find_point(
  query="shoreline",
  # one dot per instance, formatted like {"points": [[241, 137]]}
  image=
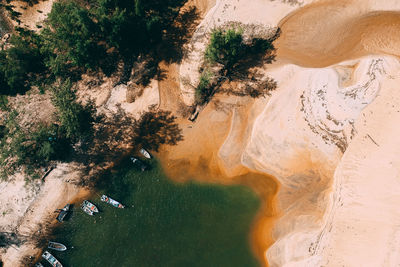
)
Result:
{"points": [[199, 158]]}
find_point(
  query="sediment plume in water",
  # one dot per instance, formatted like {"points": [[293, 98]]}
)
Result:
{"points": [[197, 158]]}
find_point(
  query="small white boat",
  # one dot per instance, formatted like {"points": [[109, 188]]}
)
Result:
{"points": [[56, 246], [89, 208], [51, 259], [111, 201], [145, 153]]}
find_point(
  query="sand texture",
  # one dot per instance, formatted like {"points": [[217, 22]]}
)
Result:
{"points": [[328, 133]]}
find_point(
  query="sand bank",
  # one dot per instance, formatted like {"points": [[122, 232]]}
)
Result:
{"points": [[328, 133], [31, 211], [334, 64]]}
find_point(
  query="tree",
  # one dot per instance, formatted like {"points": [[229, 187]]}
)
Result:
{"points": [[21, 63], [226, 47], [204, 89], [70, 38], [29, 148], [76, 120]]}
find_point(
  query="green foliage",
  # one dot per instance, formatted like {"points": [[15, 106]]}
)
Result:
{"points": [[70, 38], [21, 63], [48, 144], [226, 47], [29, 148], [3, 102], [204, 89], [85, 35], [76, 119], [239, 61], [133, 26]]}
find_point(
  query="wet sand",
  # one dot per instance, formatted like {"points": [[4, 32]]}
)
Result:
{"points": [[200, 157]]}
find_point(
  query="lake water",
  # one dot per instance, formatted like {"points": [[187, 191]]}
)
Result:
{"points": [[164, 224]]}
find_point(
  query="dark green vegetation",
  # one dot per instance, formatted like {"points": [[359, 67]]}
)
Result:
{"points": [[22, 64], [164, 224], [75, 119], [229, 57], [85, 37], [95, 35], [226, 47], [35, 146]]}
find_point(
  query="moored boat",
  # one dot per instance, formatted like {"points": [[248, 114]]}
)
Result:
{"points": [[63, 213], [51, 259], [145, 153], [39, 265], [89, 207], [56, 246], [138, 163], [112, 202]]}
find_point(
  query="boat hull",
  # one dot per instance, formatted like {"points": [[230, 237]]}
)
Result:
{"points": [[56, 246], [89, 208], [112, 202], [145, 153], [51, 259]]}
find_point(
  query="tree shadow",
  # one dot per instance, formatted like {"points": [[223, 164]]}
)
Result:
{"points": [[8, 239], [156, 128], [255, 54], [255, 84], [171, 50], [177, 35], [116, 134], [110, 133], [146, 69]]}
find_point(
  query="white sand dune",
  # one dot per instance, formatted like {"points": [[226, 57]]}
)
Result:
{"points": [[329, 131]]}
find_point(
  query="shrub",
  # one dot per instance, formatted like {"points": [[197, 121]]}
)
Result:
{"points": [[225, 47], [76, 120], [204, 89], [21, 63], [70, 38], [29, 148]]}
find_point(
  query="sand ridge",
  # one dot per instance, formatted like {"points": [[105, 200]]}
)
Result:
{"points": [[333, 62], [323, 134]]}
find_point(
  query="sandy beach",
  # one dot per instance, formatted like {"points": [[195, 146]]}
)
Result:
{"points": [[335, 66], [321, 150]]}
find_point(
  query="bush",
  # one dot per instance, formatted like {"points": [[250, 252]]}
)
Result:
{"points": [[70, 38], [21, 63], [29, 148], [48, 143], [76, 120], [204, 89], [225, 47]]}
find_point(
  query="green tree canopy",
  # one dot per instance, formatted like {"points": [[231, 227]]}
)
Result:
{"points": [[226, 47], [76, 119], [21, 63], [70, 38]]}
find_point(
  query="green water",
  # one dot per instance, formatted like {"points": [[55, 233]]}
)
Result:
{"points": [[164, 224]]}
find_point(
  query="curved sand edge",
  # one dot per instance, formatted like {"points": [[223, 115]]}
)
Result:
{"points": [[300, 134]]}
